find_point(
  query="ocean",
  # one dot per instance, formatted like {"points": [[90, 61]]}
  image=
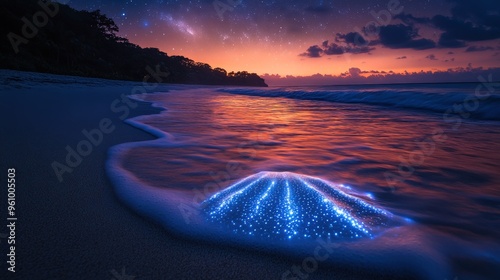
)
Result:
{"points": [[228, 161]]}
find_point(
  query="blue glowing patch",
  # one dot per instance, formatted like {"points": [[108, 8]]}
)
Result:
{"points": [[284, 206]]}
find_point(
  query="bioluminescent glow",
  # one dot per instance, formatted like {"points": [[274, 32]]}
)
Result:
{"points": [[284, 205]]}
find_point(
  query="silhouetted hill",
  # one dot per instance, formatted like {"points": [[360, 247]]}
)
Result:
{"points": [[48, 37]]}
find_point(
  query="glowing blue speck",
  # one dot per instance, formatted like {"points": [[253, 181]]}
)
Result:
{"points": [[284, 205]]}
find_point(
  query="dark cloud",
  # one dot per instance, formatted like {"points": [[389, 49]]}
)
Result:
{"points": [[356, 72], [483, 12], [431, 57], [447, 41], [351, 38], [401, 57], [421, 44], [328, 48], [400, 36], [373, 72], [332, 49], [465, 30], [478, 49], [313, 51], [358, 50], [470, 21]]}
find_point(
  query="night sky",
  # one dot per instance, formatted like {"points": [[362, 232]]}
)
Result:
{"points": [[290, 37]]}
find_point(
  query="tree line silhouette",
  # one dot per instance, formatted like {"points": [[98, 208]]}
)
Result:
{"points": [[85, 43]]}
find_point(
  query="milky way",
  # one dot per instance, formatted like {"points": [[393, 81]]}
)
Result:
{"points": [[284, 205]]}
